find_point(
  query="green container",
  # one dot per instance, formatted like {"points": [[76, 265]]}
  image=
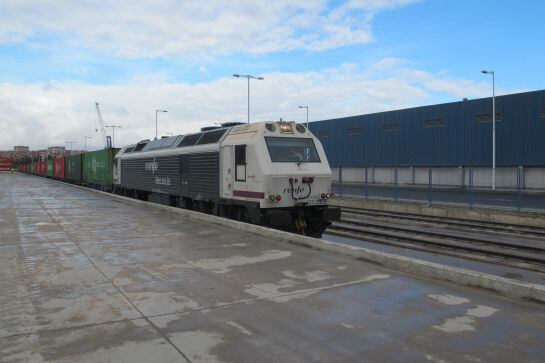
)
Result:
{"points": [[73, 168], [32, 168], [98, 166], [49, 170]]}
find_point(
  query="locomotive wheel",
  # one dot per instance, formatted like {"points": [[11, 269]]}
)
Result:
{"points": [[242, 214]]}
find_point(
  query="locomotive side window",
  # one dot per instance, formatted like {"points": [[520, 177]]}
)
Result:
{"points": [[190, 140], [286, 149], [240, 162]]}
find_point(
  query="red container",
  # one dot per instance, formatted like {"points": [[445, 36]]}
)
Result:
{"points": [[36, 168], [5, 164], [43, 167], [58, 168]]}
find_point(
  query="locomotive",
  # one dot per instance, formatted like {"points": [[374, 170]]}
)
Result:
{"points": [[268, 173]]}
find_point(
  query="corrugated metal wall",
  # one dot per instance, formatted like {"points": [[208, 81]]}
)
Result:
{"points": [[460, 141]]}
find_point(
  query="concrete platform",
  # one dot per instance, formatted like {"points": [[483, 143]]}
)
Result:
{"points": [[89, 278]]}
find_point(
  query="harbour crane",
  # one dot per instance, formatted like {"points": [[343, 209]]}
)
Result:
{"points": [[107, 139]]}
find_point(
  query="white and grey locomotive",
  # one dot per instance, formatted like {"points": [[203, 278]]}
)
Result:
{"points": [[268, 173]]}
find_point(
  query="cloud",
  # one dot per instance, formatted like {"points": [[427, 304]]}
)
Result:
{"points": [[191, 28], [50, 114]]}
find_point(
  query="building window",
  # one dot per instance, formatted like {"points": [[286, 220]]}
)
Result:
{"points": [[390, 127], [323, 133], [436, 122], [487, 117], [542, 112], [354, 131]]}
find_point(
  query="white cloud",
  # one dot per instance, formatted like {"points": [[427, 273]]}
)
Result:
{"points": [[192, 28], [50, 114]]}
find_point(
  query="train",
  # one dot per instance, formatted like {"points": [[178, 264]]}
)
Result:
{"points": [[273, 174]]}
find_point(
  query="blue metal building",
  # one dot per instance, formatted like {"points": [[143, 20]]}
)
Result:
{"points": [[444, 135]]}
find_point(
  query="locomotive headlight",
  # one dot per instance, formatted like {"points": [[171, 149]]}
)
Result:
{"points": [[305, 180], [310, 180], [278, 197], [323, 196], [272, 197], [291, 180], [285, 128], [328, 195]]}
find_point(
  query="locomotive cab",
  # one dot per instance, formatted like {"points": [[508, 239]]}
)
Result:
{"points": [[280, 171]]}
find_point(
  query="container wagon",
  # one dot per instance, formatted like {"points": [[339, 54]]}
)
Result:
{"points": [[98, 168], [49, 170], [5, 164], [58, 168], [73, 172], [43, 168]]}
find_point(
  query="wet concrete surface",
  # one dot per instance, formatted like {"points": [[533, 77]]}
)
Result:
{"points": [[89, 278]]}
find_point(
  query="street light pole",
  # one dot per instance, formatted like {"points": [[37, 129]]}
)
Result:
{"points": [[156, 111], [248, 76], [70, 143], [113, 127], [493, 73], [307, 113], [85, 144]]}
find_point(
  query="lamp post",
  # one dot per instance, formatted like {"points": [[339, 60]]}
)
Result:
{"points": [[307, 113], [85, 144], [113, 127], [493, 126], [156, 111], [248, 76]]}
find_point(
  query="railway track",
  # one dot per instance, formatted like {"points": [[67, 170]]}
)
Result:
{"points": [[516, 246]]}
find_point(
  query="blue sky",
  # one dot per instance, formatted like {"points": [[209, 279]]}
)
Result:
{"points": [[341, 57]]}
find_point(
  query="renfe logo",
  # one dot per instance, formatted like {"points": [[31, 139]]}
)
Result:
{"points": [[298, 190], [152, 166]]}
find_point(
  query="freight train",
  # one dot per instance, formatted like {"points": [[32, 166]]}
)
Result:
{"points": [[269, 173]]}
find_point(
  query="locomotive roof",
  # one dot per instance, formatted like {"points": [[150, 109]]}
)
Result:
{"points": [[207, 137]]}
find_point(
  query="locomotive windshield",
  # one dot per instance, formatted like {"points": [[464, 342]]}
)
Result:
{"points": [[285, 149]]}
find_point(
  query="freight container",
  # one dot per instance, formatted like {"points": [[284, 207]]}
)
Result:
{"points": [[32, 168], [5, 164], [35, 168], [73, 168], [49, 172], [98, 167], [58, 168], [43, 167]]}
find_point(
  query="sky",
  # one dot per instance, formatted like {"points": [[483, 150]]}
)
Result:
{"points": [[339, 58]]}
